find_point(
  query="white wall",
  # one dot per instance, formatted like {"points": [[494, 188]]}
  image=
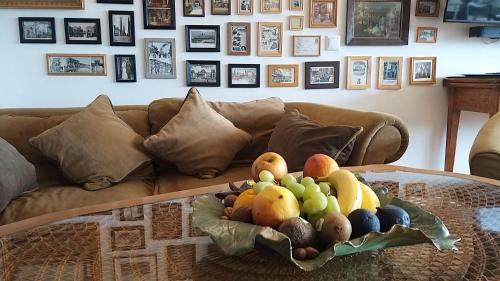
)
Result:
{"points": [[24, 83]]}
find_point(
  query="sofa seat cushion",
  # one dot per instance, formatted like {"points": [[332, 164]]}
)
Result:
{"points": [[166, 183], [59, 198]]}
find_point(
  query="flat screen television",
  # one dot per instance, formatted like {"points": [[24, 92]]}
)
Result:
{"points": [[473, 11]]}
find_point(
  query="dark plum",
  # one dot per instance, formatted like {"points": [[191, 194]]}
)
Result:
{"points": [[362, 222], [391, 215]]}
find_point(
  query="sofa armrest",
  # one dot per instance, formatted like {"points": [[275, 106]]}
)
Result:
{"points": [[384, 138], [484, 156]]}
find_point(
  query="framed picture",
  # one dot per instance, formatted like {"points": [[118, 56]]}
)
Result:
{"points": [[422, 70], [159, 14], [270, 38], [322, 75], [378, 22], [296, 23], [243, 75], [296, 5], [194, 8], [245, 7], [282, 75], [221, 7], [160, 58], [121, 28], [115, 1], [202, 38], [76, 64], [389, 73], [358, 73], [323, 13], [427, 34], [204, 73], [82, 31], [270, 6], [53, 4], [125, 68], [306, 45], [238, 38], [37, 30], [427, 8]]}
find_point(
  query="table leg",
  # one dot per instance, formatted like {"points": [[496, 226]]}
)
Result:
{"points": [[451, 139]]}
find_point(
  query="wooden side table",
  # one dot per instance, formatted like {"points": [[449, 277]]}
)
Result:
{"points": [[477, 94]]}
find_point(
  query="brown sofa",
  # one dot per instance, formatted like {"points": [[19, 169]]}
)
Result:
{"points": [[383, 140]]}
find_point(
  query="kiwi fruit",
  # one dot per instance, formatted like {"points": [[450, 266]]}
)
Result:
{"points": [[334, 227], [300, 232]]}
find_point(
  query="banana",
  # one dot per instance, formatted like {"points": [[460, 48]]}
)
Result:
{"points": [[370, 200], [348, 189]]}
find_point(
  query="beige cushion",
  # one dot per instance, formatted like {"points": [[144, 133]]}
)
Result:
{"points": [[94, 147], [198, 140]]}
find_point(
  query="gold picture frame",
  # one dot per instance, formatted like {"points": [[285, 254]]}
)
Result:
{"points": [[46, 4], [276, 77], [423, 70], [269, 39], [389, 73], [248, 4], [296, 5], [270, 7], [296, 23], [77, 66], [359, 72], [423, 38], [323, 14]]}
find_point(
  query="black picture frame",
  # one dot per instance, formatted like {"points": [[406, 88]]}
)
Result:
{"points": [[115, 1], [230, 68], [187, 14], [130, 24], [190, 48], [23, 35], [68, 21], [383, 40], [129, 69], [189, 74], [336, 68], [157, 8]]}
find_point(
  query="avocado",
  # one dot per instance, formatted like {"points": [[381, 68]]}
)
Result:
{"points": [[391, 215], [362, 222], [301, 232]]}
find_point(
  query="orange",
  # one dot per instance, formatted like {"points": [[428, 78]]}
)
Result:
{"points": [[244, 199]]}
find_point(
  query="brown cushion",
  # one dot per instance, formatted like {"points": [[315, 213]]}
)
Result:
{"points": [[297, 137], [94, 147], [198, 140]]}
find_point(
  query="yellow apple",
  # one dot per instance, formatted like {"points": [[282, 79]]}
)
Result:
{"points": [[272, 162]]}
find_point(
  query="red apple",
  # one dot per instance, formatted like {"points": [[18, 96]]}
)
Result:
{"points": [[272, 162], [319, 165]]}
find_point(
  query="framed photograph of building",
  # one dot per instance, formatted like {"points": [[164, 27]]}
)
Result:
{"points": [[322, 75], [378, 22], [269, 39], [323, 14], [115, 1], [270, 6], [160, 58], [194, 8], [358, 72], [203, 73], [52, 4], [427, 34], [243, 75], [296, 5], [76, 64], [159, 14], [221, 7], [390, 70], [296, 23], [306, 46], [121, 28], [422, 70], [238, 38], [37, 30], [427, 8], [202, 38], [125, 68], [282, 75], [82, 31], [245, 7]]}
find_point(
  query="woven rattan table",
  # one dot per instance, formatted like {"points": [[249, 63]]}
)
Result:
{"points": [[152, 239]]}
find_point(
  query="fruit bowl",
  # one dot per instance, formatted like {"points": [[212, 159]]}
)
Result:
{"points": [[236, 238]]}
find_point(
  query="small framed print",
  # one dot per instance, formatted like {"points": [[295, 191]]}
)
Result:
{"points": [[306, 45], [160, 58], [125, 68], [270, 6], [422, 70], [323, 13], [243, 75], [203, 73], [245, 7], [296, 23], [427, 8], [82, 31], [358, 72], [270, 38], [115, 1], [37, 30], [238, 38], [322, 75], [76, 64], [194, 8], [282, 75], [427, 34], [121, 28], [389, 73], [221, 7], [159, 14], [202, 38], [296, 5]]}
